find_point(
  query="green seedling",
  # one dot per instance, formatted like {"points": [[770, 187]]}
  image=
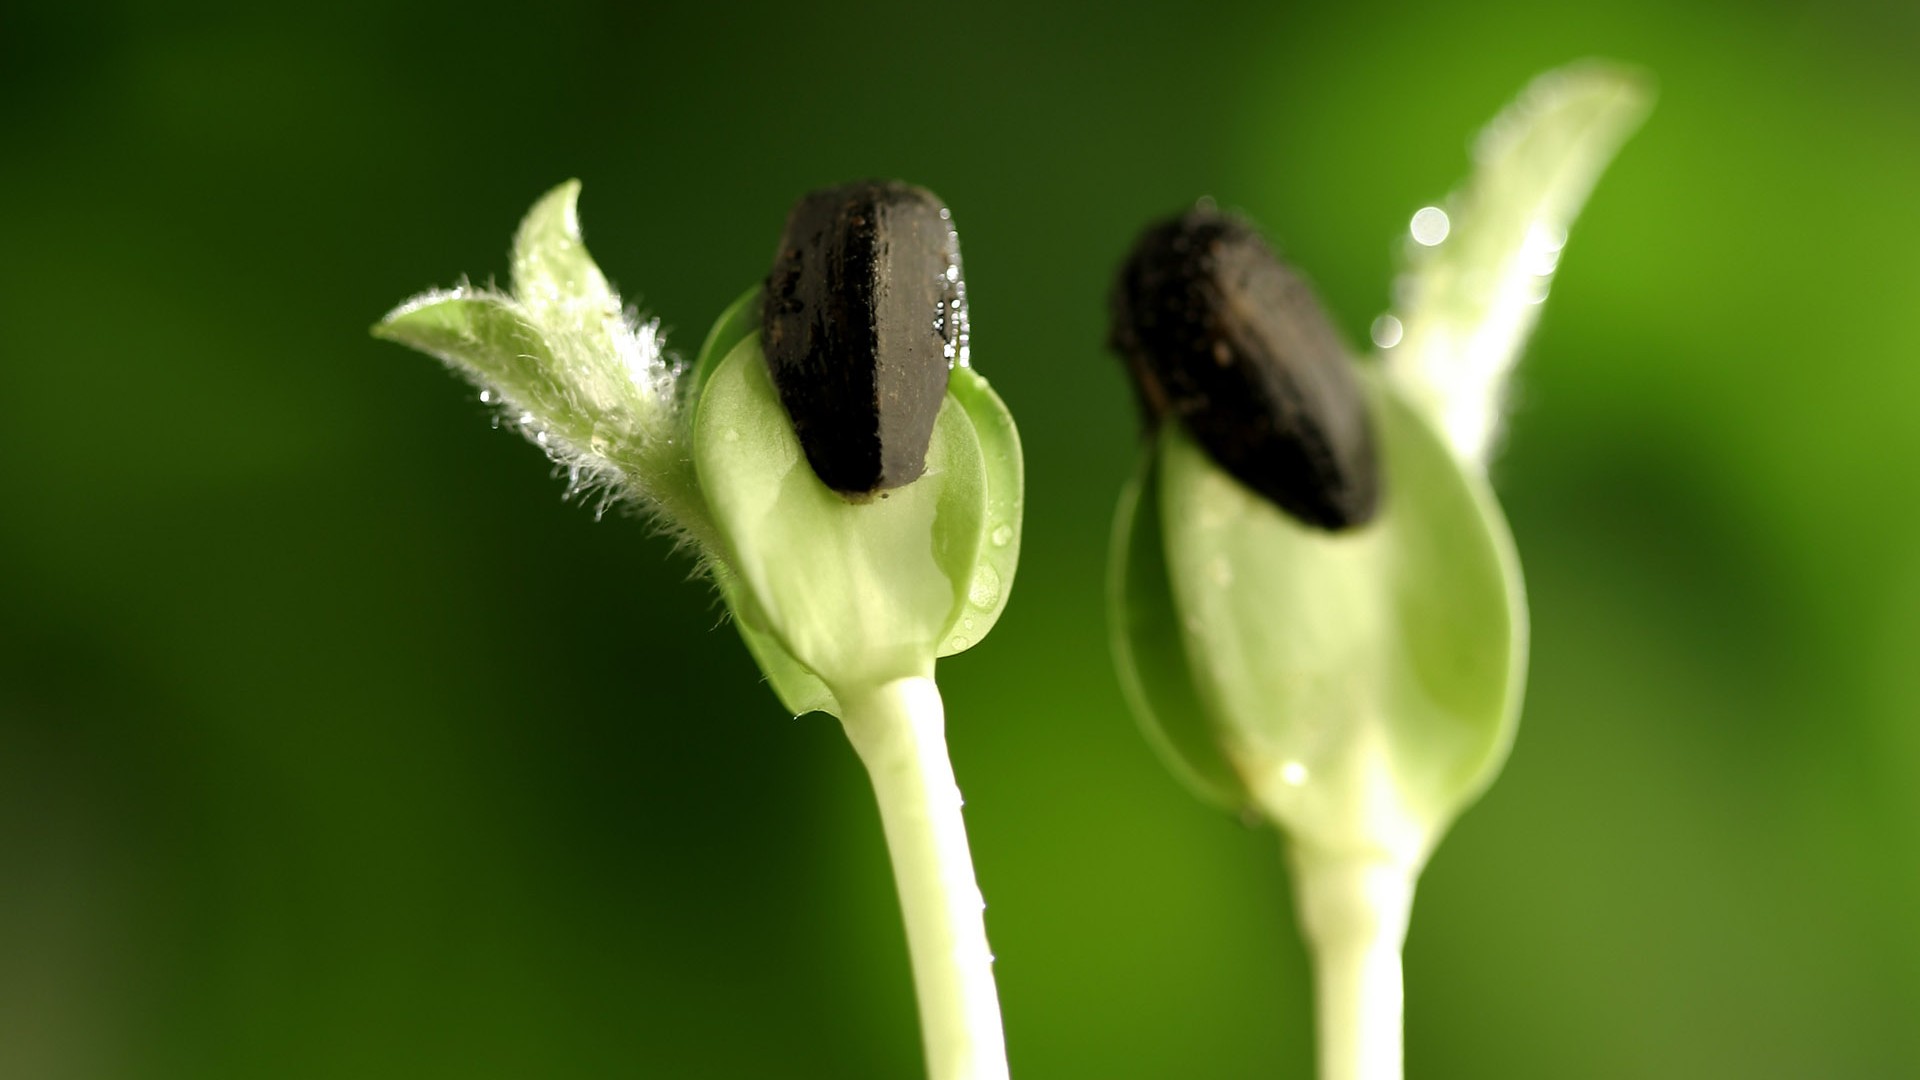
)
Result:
{"points": [[1316, 608], [852, 360]]}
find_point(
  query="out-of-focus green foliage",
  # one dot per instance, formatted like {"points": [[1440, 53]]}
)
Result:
{"points": [[333, 744]]}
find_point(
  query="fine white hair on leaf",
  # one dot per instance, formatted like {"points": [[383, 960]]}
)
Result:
{"points": [[583, 376]]}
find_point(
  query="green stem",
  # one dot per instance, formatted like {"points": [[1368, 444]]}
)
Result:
{"points": [[1353, 912], [899, 731]]}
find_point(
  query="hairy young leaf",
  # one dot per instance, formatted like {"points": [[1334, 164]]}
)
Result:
{"points": [[553, 276], [588, 382], [495, 344], [1469, 299]]}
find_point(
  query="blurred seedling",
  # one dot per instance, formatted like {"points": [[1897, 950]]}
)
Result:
{"points": [[1316, 608], [846, 479]]}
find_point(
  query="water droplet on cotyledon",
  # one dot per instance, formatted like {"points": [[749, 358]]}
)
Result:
{"points": [[984, 591]]}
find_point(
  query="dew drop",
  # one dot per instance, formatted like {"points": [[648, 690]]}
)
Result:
{"points": [[1430, 226], [1387, 331], [1293, 773], [1002, 535], [1540, 252], [958, 643], [984, 590]]}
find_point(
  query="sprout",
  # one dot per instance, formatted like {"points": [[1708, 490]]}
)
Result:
{"points": [[852, 487], [1317, 611]]}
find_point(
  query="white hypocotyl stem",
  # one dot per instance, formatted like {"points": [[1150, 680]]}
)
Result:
{"points": [[899, 731], [1353, 912]]}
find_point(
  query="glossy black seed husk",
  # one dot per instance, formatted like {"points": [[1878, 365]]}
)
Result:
{"points": [[1220, 335], [862, 313]]}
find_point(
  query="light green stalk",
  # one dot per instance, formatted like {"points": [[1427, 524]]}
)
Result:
{"points": [[899, 731], [1353, 912]]}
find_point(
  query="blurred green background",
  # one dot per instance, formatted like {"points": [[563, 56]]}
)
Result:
{"points": [[334, 744]]}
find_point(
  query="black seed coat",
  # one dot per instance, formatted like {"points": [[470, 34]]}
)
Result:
{"points": [[861, 323], [1222, 336]]}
